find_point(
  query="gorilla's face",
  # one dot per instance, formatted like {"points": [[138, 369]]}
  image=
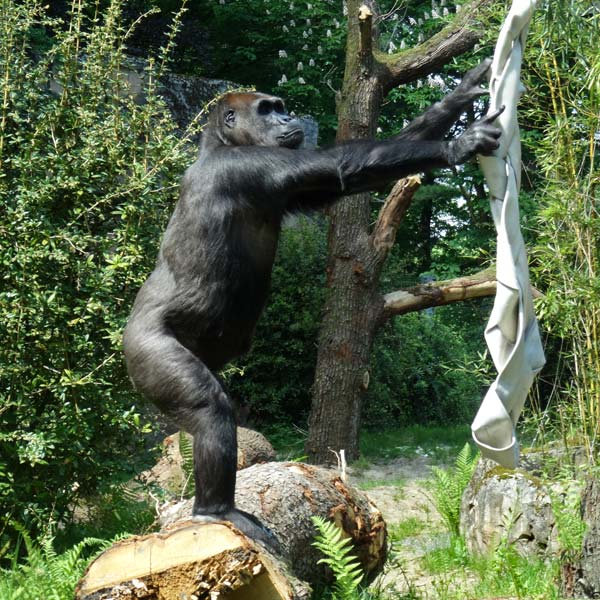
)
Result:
{"points": [[258, 120]]}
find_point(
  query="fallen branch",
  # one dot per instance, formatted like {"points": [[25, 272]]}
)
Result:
{"points": [[439, 293]]}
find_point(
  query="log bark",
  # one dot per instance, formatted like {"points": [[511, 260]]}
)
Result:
{"points": [[188, 559], [169, 473], [253, 448]]}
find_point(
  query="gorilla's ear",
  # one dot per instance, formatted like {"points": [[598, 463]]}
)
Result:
{"points": [[229, 118]]}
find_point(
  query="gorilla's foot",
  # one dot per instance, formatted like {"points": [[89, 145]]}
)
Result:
{"points": [[248, 524]]}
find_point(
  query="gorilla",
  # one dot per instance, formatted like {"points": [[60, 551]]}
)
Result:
{"points": [[199, 307]]}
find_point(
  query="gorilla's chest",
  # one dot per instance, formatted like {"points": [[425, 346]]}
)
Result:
{"points": [[258, 240], [251, 263]]}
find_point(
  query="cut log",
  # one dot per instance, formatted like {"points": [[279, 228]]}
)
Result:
{"points": [[214, 560], [169, 474], [253, 448], [189, 561]]}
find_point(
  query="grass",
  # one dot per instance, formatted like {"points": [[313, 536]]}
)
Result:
{"points": [[407, 528], [439, 443], [398, 482], [503, 573]]}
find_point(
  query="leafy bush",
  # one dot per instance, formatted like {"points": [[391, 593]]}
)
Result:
{"points": [[87, 180]]}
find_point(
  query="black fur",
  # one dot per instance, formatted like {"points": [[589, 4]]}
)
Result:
{"points": [[199, 307]]}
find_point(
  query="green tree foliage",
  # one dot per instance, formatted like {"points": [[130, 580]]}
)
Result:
{"points": [[87, 179], [564, 110], [275, 378], [418, 373]]}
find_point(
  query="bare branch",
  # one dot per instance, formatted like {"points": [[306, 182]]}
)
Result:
{"points": [[392, 213], [455, 39], [365, 22], [439, 293]]}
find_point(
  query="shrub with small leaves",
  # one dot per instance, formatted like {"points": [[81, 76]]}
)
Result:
{"points": [[87, 180]]}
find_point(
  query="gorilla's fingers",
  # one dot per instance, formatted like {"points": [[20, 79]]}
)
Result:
{"points": [[493, 116]]}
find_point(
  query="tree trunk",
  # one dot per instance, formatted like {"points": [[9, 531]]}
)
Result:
{"points": [[354, 307], [353, 304], [213, 560]]}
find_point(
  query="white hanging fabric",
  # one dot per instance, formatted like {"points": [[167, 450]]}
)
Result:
{"points": [[512, 333]]}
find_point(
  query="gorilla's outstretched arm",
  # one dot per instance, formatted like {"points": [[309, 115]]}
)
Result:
{"points": [[289, 180]]}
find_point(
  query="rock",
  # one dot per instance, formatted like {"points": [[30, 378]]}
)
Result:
{"points": [[583, 579], [187, 95], [513, 505]]}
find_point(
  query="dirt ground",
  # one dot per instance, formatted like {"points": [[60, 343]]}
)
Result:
{"points": [[399, 502]]}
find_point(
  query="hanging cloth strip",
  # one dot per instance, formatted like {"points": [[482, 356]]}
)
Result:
{"points": [[512, 333]]}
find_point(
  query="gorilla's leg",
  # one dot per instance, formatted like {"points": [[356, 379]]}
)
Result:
{"points": [[182, 387]]}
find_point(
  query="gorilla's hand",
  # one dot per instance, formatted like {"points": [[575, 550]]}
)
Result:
{"points": [[469, 89], [480, 138]]}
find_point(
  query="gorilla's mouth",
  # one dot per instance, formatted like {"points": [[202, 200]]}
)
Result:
{"points": [[291, 139]]}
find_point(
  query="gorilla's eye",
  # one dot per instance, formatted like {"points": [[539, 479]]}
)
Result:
{"points": [[265, 107], [230, 116], [279, 107]]}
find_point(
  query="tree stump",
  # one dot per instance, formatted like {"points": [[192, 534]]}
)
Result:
{"points": [[192, 560]]}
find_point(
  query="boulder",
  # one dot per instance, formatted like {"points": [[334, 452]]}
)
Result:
{"points": [[508, 505]]}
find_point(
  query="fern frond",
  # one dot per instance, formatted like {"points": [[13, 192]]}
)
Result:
{"points": [[449, 486], [337, 549], [47, 574]]}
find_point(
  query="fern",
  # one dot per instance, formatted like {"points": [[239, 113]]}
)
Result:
{"points": [[337, 550], [449, 486], [186, 450], [45, 573]]}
